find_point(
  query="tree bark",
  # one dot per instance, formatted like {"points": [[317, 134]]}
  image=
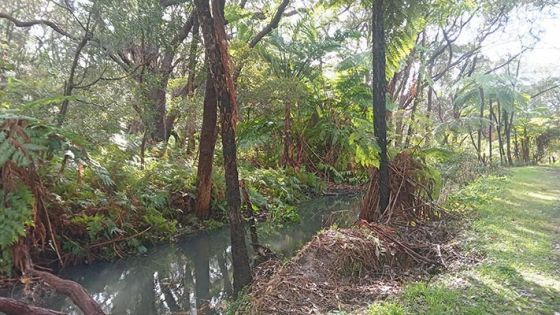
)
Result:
{"points": [[206, 151], [74, 291], [13, 307], [215, 42], [379, 110]]}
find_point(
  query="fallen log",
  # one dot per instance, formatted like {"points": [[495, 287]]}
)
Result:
{"points": [[14, 307]]}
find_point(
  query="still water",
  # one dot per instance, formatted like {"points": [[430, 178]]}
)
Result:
{"points": [[193, 275]]}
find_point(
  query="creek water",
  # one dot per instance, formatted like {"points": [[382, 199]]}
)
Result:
{"points": [[192, 275]]}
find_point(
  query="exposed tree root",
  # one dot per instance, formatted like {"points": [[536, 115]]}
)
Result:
{"points": [[13, 307], [73, 290]]}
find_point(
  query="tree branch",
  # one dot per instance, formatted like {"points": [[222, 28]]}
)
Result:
{"points": [[14, 307], [270, 26], [31, 23], [545, 90]]}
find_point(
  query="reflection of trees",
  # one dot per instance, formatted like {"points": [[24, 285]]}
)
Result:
{"points": [[201, 247], [191, 276], [222, 261]]}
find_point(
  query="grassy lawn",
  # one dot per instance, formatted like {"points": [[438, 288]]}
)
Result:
{"points": [[517, 229]]}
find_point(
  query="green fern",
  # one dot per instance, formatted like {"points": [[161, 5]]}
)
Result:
{"points": [[16, 215]]}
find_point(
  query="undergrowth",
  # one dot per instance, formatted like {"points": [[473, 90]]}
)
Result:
{"points": [[111, 206]]}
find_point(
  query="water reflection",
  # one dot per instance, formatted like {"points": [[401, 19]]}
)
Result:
{"points": [[192, 276]]}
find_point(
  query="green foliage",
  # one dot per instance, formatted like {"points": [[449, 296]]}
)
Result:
{"points": [[16, 215], [277, 191]]}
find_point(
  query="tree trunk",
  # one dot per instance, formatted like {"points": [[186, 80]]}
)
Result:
{"points": [[379, 110], [206, 151], [70, 85], [161, 124], [490, 133], [509, 120], [215, 42], [479, 140], [526, 150], [498, 120], [516, 145], [286, 155]]}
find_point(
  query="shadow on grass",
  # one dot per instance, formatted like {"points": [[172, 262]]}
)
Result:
{"points": [[516, 229]]}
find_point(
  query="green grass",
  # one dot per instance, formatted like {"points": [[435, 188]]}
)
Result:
{"points": [[516, 228]]}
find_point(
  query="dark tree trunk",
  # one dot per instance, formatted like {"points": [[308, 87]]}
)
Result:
{"points": [[379, 110], [206, 151], [161, 123], [215, 42]]}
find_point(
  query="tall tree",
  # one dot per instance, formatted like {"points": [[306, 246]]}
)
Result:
{"points": [[379, 110], [209, 121], [215, 41]]}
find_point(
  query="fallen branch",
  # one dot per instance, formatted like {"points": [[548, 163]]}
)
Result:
{"points": [[14, 307], [73, 290]]}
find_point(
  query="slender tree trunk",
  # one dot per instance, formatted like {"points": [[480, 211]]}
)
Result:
{"points": [[417, 100], [509, 121], [428, 140], [379, 110], [526, 149], [215, 42], [479, 140], [70, 85], [286, 155], [498, 120], [206, 151], [490, 132], [516, 145]]}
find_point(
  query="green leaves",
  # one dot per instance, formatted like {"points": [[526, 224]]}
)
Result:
{"points": [[16, 215]]}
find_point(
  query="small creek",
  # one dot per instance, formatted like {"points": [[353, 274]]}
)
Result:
{"points": [[192, 275]]}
